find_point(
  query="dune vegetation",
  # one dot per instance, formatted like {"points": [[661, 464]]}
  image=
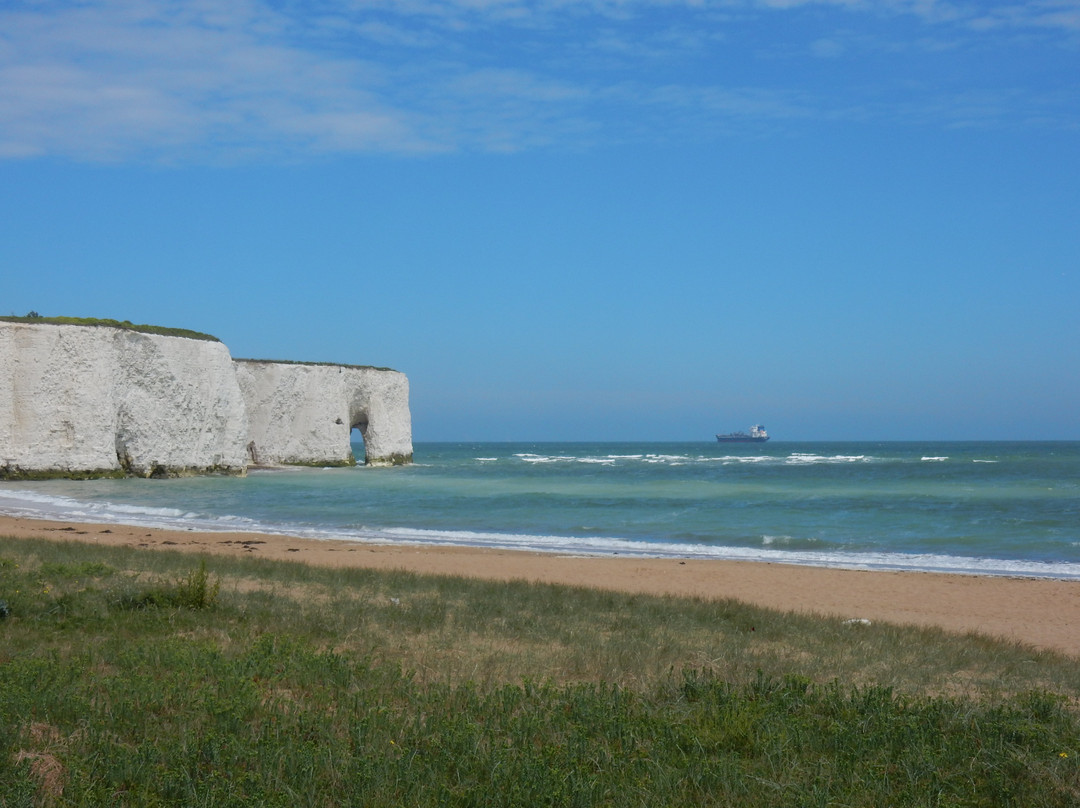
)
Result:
{"points": [[132, 677]]}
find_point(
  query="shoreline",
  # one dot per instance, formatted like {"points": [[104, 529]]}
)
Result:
{"points": [[1039, 612]]}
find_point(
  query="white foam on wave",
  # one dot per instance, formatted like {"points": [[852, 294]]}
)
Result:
{"points": [[52, 507], [788, 541], [535, 458], [11, 496], [800, 458], [606, 460], [794, 459], [144, 510], [609, 546]]}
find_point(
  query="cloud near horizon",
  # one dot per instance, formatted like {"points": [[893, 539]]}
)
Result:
{"points": [[197, 81]]}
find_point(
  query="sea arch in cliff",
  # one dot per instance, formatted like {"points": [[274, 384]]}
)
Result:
{"points": [[304, 414], [99, 397], [359, 425]]}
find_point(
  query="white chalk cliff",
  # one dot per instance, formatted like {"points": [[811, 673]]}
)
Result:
{"points": [[87, 400], [304, 414]]}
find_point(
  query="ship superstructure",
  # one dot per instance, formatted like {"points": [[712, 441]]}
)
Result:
{"points": [[757, 434]]}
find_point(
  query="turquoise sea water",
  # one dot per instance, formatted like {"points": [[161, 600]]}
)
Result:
{"points": [[989, 508]]}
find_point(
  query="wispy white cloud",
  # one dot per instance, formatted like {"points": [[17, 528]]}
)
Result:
{"points": [[205, 80], [114, 79], [1063, 15]]}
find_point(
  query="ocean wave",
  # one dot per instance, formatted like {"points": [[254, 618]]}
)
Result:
{"points": [[609, 546], [535, 458], [606, 460], [934, 459], [794, 459], [52, 507], [799, 458], [143, 510], [35, 497], [791, 542], [883, 505], [772, 548]]}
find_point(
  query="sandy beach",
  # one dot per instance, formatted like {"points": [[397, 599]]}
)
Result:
{"points": [[1038, 612]]}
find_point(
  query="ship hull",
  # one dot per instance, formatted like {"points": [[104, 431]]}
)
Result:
{"points": [[739, 439]]}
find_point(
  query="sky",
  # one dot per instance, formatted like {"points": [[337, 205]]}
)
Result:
{"points": [[573, 219]]}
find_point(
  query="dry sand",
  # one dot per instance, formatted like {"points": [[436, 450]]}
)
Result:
{"points": [[1038, 612]]}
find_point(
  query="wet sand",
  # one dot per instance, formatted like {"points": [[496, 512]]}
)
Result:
{"points": [[1038, 612]]}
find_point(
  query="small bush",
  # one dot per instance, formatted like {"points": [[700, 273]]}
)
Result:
{"points": [[196, 591]]}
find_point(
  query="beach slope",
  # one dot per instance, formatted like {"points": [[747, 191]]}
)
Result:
{"points": [[1038, 612]]}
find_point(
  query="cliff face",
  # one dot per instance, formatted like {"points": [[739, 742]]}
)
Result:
{"points": [[78, 400], [304, 414]]}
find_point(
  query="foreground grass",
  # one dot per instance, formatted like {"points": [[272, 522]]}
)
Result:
{"points": [[150, 678]]}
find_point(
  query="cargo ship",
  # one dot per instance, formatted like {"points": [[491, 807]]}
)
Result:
{"points": [[757, 434]]}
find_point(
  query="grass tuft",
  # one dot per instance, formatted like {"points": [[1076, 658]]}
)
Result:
{"points": [[195, 591]]}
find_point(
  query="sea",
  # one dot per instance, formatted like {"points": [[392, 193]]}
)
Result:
{"points": [[996, 508]]}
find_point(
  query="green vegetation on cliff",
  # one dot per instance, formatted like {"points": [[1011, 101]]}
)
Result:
{"points": [[315, 364], [33, 318]]}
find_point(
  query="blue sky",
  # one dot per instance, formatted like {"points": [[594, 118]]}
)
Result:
{"points": [[603, 219]]}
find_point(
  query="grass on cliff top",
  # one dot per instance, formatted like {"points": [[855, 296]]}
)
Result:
{"points": [[126, 325], [316, 364], [132, 677]]}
